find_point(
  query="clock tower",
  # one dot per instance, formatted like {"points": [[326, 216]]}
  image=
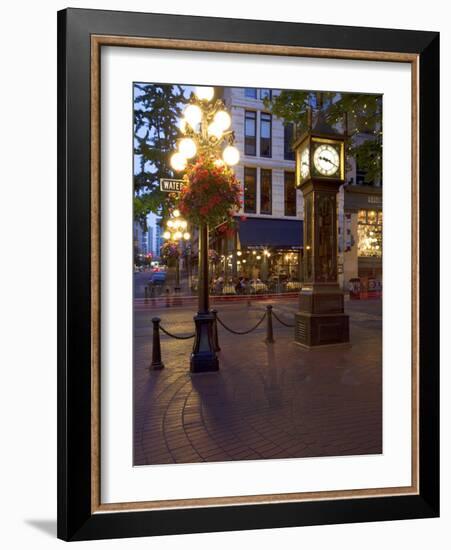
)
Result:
{"points": [[320, 171]]}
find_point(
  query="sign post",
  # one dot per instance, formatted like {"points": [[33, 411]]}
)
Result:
{"points": [[171, 185]]}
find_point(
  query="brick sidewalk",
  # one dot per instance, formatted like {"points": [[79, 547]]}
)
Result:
{"points": [[267, 401]]}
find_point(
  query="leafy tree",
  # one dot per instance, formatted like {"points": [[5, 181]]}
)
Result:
{"points": [[364, 122], [157, 111]]}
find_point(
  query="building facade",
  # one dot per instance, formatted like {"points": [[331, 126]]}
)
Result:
{"points": [[159, 240], [139, 243], [150, 240], [270, 223], [362, 223], [268, 240]]}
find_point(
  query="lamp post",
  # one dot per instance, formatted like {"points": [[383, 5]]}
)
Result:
{"points": [[175, 232], [206, 132]]}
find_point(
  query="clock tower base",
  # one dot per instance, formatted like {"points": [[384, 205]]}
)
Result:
{"points": [[321, 320]]}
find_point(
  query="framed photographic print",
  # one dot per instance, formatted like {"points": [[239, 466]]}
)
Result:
{"points": [[248, 274]]}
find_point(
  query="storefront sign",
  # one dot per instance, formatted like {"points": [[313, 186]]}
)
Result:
{"points": [[375, 199], [357, 198]]}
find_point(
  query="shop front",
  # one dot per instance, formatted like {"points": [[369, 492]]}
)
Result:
{"points": [[363, 235], [264, 253]]}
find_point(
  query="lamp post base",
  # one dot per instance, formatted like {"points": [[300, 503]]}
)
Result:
{"points": [[203, 357]]}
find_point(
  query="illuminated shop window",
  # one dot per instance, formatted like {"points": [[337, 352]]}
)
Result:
{"points": [[369, 231]]}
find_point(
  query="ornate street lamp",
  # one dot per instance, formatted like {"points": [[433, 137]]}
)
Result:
{"points": [[176, 230], [206, 128]]}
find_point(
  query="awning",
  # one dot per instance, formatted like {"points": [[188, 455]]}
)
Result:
{"points": [[271, 233]]}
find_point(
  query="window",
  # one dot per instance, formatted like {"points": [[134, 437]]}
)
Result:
{"points": [[265, 191], [250, 190], [250, 92], [369, 231], [265, 93], [250, 131], [288, 135], [265, 135], [290, 194]]}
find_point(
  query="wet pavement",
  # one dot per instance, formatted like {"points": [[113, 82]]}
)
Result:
{"points": [[267, 400]]}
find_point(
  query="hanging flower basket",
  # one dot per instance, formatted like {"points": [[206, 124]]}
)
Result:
{"points": [[211, 195], [169, 251]]}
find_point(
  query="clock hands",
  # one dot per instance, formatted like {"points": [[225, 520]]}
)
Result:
{"points": [[329, 161]]}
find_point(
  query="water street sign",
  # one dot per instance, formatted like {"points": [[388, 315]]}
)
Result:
{"points": [[171, 186]]}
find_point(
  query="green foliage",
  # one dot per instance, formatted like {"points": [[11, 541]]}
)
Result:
{"points": [[364, 118], [157, 110]]}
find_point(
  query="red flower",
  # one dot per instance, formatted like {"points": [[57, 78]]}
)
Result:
{"points": [[211, 194]]}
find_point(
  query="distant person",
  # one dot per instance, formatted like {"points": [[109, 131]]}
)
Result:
{"points": [[240, 286], [218, 285]]}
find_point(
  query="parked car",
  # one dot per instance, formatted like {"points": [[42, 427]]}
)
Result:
{"points": [[156, 283], [157, 276]]}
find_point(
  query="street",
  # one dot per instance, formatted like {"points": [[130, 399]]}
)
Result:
{"points": [[268, 400]]}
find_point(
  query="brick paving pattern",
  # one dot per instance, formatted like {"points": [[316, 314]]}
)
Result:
{"points": [[267, 401]]}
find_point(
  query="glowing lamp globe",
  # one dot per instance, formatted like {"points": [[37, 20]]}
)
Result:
{"points": [[193, 115], [231, 155], [183, 224], [222, 120], [187, 148], [214, 130], [176, 213], [166, 235], [204, 93], [170, 223], [178, 162], [177, 235], [182, 125], [186, 235]]}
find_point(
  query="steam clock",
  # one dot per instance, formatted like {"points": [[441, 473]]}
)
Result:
{"points": [[320, 170]]}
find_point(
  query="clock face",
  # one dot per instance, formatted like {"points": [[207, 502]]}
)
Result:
{"points": [[305, 163], [326, 159]]}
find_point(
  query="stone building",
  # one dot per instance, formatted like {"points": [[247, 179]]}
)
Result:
{"points": [[268, 242], [269, 238]]}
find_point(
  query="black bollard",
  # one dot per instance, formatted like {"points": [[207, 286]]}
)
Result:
{"points": [[157, 363], [215, 330], [269, 332]]}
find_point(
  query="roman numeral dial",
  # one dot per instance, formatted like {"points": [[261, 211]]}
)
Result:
{"points": [[326, 159]]}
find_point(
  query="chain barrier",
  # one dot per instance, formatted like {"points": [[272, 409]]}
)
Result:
{"points": [[241, 332], [282, 322], [157, 363], [187, 337]]}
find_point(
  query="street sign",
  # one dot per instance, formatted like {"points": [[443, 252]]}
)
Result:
{"points": [[171, 186]]}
